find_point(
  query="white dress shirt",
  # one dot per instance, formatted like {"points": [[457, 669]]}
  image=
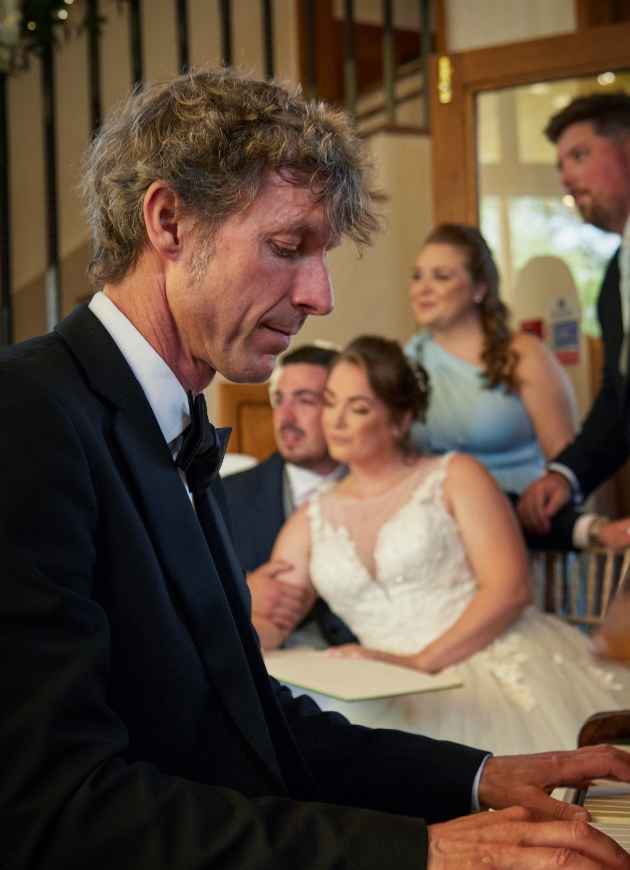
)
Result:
{"points": [[624, 292], [164, 392], [303, 482]]}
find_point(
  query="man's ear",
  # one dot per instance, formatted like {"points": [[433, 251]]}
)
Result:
{"points": [[163, 220]]}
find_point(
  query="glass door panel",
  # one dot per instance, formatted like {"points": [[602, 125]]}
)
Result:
{"points": [[551, 263]]}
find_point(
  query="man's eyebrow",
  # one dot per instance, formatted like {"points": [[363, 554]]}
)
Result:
{"points": [[308, 230], [305, 228], [307, 392]]}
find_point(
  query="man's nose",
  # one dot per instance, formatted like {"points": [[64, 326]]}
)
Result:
{"points": [[566, 175], [286, 413], [314, 292]]}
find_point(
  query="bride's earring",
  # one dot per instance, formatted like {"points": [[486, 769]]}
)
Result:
{"points": [[479, 298]]}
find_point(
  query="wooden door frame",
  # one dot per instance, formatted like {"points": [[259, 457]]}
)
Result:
{"points": [[453, 124]]}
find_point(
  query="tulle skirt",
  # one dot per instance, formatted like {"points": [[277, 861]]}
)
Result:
{"points": [[531, 690]]}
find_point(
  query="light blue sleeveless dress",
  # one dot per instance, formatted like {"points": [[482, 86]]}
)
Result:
{"points": [[463, 415]]}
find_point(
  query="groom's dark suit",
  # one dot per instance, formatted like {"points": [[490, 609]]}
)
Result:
{"points": [[256, 501], [603, 444], [138, 726]]}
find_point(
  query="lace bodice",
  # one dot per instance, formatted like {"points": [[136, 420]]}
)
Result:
{"points": [[422, 578]]}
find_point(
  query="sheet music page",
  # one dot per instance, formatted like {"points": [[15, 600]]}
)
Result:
{"points": [[351, 679]]}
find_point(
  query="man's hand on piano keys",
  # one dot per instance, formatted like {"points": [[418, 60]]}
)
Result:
{"points": [[528, 780], [514, 838]]}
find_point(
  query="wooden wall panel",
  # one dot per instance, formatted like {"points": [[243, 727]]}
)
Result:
{"points": [[593, 13], [246, 408]]}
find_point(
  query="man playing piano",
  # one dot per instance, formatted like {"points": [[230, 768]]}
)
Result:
{"points": [[139, 728]]}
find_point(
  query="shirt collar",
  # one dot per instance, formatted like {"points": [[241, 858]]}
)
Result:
{"points": [[304, 482], [164, 392]]}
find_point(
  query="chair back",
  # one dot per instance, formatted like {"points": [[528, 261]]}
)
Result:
{"points": [[577, 587]]}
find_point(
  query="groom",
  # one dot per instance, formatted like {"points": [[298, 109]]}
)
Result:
{"points": [[138, 726]]}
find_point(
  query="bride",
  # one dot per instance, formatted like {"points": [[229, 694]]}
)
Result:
{"points": [[422, 557]]}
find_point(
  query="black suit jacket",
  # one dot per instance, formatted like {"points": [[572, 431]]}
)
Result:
{"points": [[138, 728], [602, 445]]}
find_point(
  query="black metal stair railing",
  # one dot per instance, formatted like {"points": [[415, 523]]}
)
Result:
{"points": [[42, 19], [6, 323], [225, 10], [93, 30], [181, 18], [135, 40]]}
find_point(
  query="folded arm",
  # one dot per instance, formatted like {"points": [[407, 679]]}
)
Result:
{"points": [[292, 550], [274, 600]]}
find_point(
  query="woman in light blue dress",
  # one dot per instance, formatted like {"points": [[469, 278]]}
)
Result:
{"points": [[498, 395]]}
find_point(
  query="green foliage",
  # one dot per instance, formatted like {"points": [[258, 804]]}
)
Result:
{"points": [[47, 22], [41, 24]]}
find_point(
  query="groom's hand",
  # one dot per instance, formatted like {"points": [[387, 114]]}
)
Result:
{"points": [[281, 603], [515, 839], [542, 500]]}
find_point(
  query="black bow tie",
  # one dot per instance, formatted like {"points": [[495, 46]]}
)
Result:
{"points": [[203, 448]]}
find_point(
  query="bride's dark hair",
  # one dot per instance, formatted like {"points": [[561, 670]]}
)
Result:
{"points": [[403, 389]]}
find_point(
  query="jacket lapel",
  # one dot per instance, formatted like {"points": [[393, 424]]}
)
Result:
{"points": [[174, 529]]}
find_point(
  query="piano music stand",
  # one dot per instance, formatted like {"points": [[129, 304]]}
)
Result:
{"points": [[612, 727]]}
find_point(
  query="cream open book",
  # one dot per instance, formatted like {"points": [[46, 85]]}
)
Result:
{"points": [[350, 679]]}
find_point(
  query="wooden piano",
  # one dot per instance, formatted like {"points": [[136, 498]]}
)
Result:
{"points": [[608, 802]]}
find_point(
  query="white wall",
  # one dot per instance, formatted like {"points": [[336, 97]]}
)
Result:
{"points": [[372, 291], [479, 23]]}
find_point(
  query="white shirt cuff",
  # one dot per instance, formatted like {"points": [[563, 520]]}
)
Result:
{"points": [[475, 806], [574, 483], [579, 535]]}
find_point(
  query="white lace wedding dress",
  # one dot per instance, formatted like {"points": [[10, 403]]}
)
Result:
{"points": [[395, 569]]}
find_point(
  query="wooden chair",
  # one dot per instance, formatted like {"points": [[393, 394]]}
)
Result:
{"points": [[246, 408]]}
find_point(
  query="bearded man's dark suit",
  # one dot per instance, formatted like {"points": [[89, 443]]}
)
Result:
{"points": [[256, 501], [603, 443], [139, 728], [257, 506]]}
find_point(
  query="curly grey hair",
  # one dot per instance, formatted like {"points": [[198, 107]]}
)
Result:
{"points": [[212, 136]]}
